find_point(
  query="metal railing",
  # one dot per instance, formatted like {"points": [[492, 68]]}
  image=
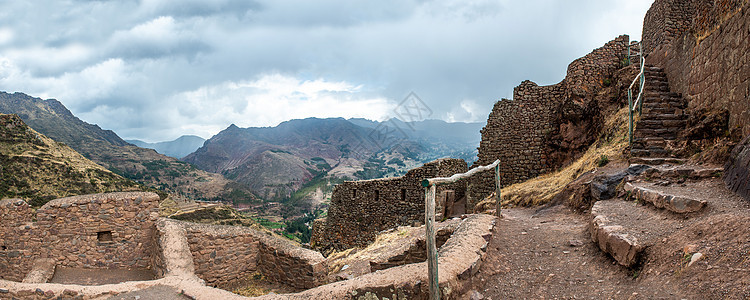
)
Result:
{"points": [[429, 208], [638, 104]]}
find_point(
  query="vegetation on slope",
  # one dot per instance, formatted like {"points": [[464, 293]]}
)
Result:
{"points": [[38, 169], [104, 147]]}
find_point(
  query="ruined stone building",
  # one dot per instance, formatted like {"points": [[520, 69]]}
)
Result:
{"points": [[545, 127], [360, 209], [114, 230]]}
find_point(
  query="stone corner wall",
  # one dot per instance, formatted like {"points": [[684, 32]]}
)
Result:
{"points": [[737, 169], [361, 209], [530, 134], [227, 256], [702, 46], [110, 230]]}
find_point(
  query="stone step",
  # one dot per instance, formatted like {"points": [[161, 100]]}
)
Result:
{"points": [[655, 116], [688, 172], [659, 110], [663, 132], [669, 137], [624, 229], [645, 142], [676, 204], [652, 123], [648, 152], [655, 161]]}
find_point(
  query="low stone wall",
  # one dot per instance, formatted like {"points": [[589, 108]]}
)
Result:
{"points": [[459, 259], [281, 261], [737, 169], [361, 209], [223, 257], [226, 256]]}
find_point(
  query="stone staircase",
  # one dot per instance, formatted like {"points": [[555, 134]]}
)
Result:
{"points": [[661, 120], [657, 205]]}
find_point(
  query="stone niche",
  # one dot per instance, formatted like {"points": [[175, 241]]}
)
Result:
{"points": [[110, 230], [361, 209]]}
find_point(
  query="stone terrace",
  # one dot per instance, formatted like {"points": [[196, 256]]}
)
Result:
{"points": [[187, 267]]}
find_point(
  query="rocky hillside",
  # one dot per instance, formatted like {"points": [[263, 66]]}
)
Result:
{"points": [[178, 148], [104, 147], [36, 168], [277, 161]]}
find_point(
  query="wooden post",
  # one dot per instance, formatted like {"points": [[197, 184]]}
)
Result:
{"points": [[432, 263], [497, 191], [429, 216]]}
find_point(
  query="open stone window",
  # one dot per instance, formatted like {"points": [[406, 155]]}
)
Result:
{"points": [[104, 237]]}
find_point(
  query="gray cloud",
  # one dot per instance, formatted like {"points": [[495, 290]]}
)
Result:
{"points": [[157, 69]]}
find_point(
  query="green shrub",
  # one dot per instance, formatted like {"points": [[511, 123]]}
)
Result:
{"points": [[603, 161]]}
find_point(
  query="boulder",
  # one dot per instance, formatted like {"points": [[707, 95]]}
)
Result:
{"points": [[604, 187]]}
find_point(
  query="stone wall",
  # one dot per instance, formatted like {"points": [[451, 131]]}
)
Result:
{"points": [[545, 127], [223, 257], [737, 169], [112, 230], [703, 47], [360, 209], [17, 247], [227, 256]]}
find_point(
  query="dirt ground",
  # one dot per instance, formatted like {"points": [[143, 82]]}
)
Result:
{"points": [[99, 276], [549, 255], [154, 292]]}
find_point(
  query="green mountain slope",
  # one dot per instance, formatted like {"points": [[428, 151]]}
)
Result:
{"points": [[104, 147], [36, 168]]}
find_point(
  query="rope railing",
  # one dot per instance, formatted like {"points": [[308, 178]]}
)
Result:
{"points": [[638, 103], [430, 186]]}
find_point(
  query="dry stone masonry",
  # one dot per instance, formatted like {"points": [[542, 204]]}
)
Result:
{"points": [[187, 257], [737, 169], [702, 47], [112, 230], [360, 209], [544, 127], [226, 256]]}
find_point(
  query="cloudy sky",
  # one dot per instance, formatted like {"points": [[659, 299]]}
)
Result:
{"points": [[158, 69]]}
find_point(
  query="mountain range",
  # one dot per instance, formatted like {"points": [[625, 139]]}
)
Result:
{"points": [[276, 162], [178, 148], [297, 160], [106, 148]]}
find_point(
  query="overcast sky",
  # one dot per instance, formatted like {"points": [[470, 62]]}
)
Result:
{"points": [[155, 69]]}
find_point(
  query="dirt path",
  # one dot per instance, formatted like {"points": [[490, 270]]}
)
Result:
{"points": [[549, 255]]}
